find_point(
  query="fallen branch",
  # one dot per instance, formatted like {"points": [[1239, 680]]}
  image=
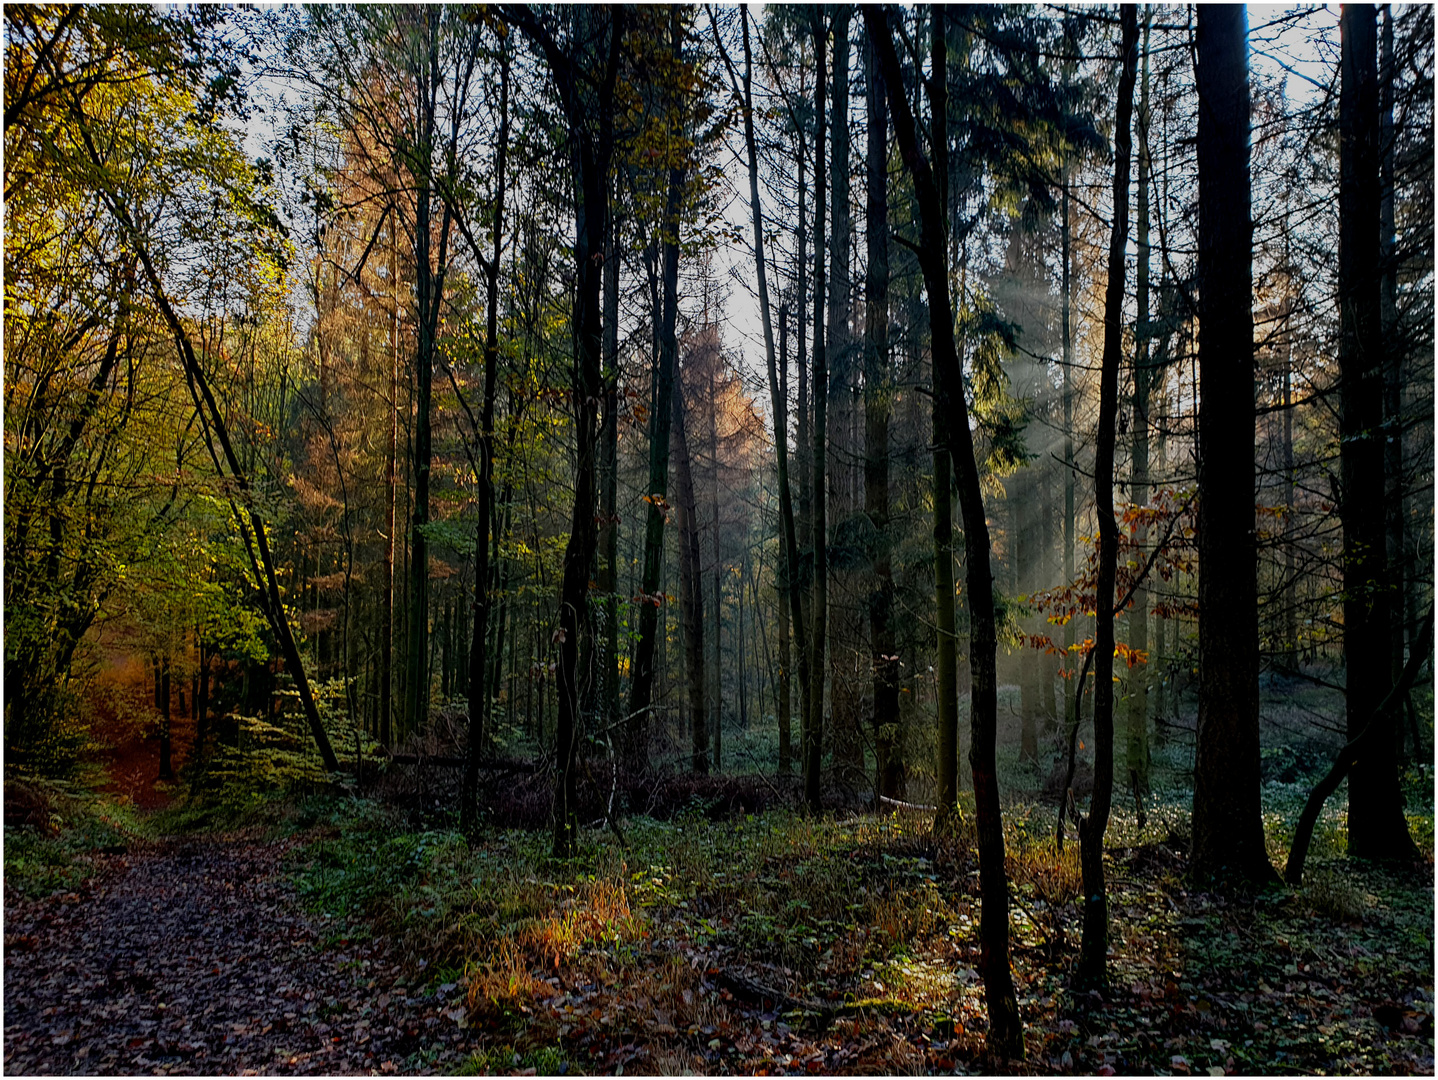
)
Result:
{"points": [[1303, 834], [907, 807], [498, 766]]}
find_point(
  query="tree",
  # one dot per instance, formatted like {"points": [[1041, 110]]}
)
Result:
{"points": [[641, 686], [1093, 957], [1227, 815], [589, 114], [1377, 828], [1005, 1027], [813, 737], [878, 397], [946, 689]]}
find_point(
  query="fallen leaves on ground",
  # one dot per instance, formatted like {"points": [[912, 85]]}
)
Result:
{"points": [[193, 957]]}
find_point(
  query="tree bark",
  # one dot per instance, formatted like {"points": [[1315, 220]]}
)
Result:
{"points": [[481, 688], [878, 394], [946, 646], [691, 587], [1093, 953], [1137, 741], [1227, 814], [591, 153], [819, 613], [1380, 727], [1377, 828], [1005, 1026], [641, 685]]}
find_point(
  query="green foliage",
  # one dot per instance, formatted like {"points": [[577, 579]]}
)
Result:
{"points": [[65, 824]]}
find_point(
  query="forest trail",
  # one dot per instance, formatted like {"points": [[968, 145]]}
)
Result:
{"points": [[195, 957]]}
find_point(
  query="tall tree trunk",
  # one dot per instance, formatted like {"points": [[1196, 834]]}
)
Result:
{"points": [[1005, 1027], [946, 647], [787, 572], [1227, 813], [1137, 748], [1070, 474], [416, 684], [814, 727], [1022, 515], [167, 771], [202, 698], [251, 525], [888, 747], [847, 750], [1395, 354], [1377, 828], [718, 722], [691, 586], [1093, 954], [591, 155], [641, 683], [609, 469], [386, 629], [481, 687]]}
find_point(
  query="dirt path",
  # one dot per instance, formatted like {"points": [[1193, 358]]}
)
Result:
{"points": [[194, 957]]}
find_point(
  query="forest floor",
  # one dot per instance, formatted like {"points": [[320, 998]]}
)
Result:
{"points": [[345, 936]]}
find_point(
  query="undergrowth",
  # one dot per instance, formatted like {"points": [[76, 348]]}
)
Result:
{"points": [[630, 946], [52, 827]]}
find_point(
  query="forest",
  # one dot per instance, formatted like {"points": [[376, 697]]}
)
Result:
{"points": [[559, 539]]}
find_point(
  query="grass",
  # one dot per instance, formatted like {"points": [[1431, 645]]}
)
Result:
{"points": [[65, 825], [623, 954]]}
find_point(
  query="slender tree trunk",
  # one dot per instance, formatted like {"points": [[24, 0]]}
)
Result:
{"points": [[1093, 954], [787, 573], [888, 747], [202, 699], [641, 682], [609, 470], [1377, 828], [1070, 476], [416, 685], [481, 688], [641, 685], [167, 771], [254, 534], [814, 728], [591, 153], [1227, 815], [1005, 1027], [946, 647], [718, 723], [691, 587], [843, 723], [386, 630], [1022, 516], [1137, 748], [1394, 353]]}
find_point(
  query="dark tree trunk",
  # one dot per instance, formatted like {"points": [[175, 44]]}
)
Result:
{"points": [[1377, 828], [202, 701], [591, 154], [788, 571], [1137, 748], [641, 685], [888, 746], [814, 726], [1005, 1027], [481, 688], [167, 771], [691, 587], [416, 683], [946, 647], [1093, 954], [1227, 820]]}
